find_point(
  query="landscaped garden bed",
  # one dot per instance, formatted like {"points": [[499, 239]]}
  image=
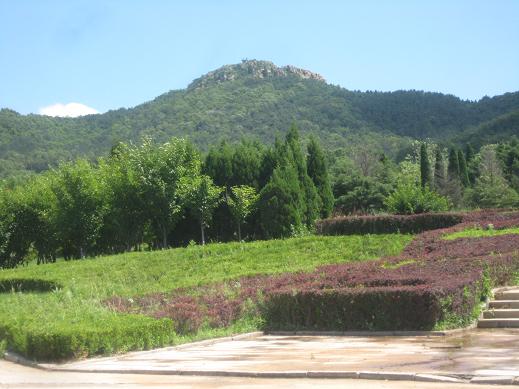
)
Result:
{"points": [[436, 283], [59, 311], [145, 300]]}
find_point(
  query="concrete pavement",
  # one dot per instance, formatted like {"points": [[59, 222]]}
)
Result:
{"points": [[477, 354], [21, 377]]}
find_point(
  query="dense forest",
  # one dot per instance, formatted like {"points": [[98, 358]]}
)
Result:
{"points": [[157, 195], [259, 101]]}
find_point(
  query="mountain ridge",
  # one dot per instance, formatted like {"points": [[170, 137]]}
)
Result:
{"points": [[257, 100]]}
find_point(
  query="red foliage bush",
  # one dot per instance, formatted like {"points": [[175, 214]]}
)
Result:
{"points": [[431, 281], [386, 224]]}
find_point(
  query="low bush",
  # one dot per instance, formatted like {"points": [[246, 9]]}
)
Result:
{"points": [[385, 224], [27, 285]]}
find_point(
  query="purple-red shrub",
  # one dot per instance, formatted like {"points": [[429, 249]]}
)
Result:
{"points": [[432, 281]]}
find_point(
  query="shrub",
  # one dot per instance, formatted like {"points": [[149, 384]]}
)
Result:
{"points": [[411, 199], [352, 225]]}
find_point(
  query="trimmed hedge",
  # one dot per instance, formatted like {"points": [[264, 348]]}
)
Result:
{"points": [[399, 301], [77, 341], [387, 224]]}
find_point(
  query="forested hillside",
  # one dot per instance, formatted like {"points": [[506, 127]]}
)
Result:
{"points": [[258, 100]]}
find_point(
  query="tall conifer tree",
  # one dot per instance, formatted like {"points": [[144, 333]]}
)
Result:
{"points": [[318, 172], [425, 168], [464, 177]]}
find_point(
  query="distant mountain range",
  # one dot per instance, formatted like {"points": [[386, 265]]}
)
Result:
{"points": [[259, 100]]}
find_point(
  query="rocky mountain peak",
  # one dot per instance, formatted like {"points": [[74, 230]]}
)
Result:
{"points": [[252, 69]]}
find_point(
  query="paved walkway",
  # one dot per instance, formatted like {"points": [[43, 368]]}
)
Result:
{"points": [[21, 377], [471, 353]]}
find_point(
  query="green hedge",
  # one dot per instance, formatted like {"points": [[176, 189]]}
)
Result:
{"points": [[387, 224], [79, 341]]}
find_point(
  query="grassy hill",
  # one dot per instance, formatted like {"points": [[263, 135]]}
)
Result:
{"points": [[255, 99], [57, 311]]}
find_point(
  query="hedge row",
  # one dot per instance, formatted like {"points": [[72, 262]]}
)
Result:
{"points": [[386, 224], [63, 343]]}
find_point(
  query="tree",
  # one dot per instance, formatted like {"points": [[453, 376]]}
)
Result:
{"points": [[453, 187], [491, 189], [408, 196], [78, 193], [160, 173], [359, 194], [241, 203], [281, 204], [464, 176], [425, 168], [472, 168], [318, 172], [439, 172], [453, 169], [291, 154], [203, 197]]}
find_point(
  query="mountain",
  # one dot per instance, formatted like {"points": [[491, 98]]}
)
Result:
{"points": [[259, 100]]}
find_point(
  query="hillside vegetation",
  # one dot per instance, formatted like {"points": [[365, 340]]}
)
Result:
{"points": [[57, 311], [259, 100]]}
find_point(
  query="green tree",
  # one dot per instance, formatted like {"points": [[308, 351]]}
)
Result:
{"points": [[281, 204], [454, 165], [318, 172], [491, 189], [80, 209], [160, 173], [203, 197], [464, 176], [425, 168], [292, 154], [241, 203], [359, 194], [439, 172]]}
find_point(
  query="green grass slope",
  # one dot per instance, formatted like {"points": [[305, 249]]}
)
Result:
{"points": [[71, 322]]}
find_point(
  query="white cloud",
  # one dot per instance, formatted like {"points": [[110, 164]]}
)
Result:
{"points": [[69, 110]]}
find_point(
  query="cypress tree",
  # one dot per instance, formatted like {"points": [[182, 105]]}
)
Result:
{"points": [[318, 172], [439, 171], [454, 165], [293, 155], [464, 177], [425, 168], [280, 203]]}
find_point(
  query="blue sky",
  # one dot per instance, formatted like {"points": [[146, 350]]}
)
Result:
{"points": [[110, 54]]}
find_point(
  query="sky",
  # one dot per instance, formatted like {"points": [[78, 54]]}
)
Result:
{"points": [[75, 57]]}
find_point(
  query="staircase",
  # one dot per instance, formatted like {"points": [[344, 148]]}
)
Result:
{"points": [[502, 311]]}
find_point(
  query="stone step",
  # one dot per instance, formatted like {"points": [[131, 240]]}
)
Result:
{"points": [[504, 304], [498, 323], [501, 314], [507, 295]]}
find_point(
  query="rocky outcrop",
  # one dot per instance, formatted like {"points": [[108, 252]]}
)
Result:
{"points": [[251, 69]]}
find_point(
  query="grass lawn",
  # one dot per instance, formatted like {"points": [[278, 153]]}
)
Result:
{"points": [[71, 321], [480, 233]]}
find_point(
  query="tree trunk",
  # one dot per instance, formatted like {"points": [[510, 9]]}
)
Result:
{"points": [[164, 238], [202, 231], [239, 232]]}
